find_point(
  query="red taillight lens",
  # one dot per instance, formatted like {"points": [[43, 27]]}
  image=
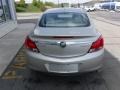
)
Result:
{"points": [[29, 44], [97, 45]]}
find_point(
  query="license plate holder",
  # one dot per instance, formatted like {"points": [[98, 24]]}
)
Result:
{"points": [[62, 68]]}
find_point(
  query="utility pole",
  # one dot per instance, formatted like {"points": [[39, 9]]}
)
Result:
{"points": [[69, 3], [58, 3], [110, 4], [78, 4]]}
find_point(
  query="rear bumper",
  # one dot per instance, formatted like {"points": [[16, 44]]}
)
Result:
{"points": [[86, 63]]}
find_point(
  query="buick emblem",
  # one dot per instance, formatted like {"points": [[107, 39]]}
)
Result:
{"points": [[62, 44]]}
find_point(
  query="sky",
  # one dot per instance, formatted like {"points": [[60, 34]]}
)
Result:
{"points": [[61, 1]]}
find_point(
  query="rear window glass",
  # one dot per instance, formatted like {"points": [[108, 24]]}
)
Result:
{"points": [[64, 20]]}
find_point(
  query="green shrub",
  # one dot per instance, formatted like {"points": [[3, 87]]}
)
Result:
{"points": [[22, 3], [35, 6], [34, 3], [20, 9], [49, 4], [31, 8]]}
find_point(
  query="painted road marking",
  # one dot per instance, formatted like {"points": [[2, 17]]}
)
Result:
{"points": [[11, 75], [20, 65]]}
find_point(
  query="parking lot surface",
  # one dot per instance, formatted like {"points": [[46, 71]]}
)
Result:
{"points": [[18, 77], [111, 15]]}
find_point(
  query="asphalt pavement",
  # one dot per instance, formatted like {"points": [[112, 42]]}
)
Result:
{"points": [[111, 15], [19, 77]]}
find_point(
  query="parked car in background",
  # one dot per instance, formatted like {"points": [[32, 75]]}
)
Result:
{"points": [[89, 9], [117, 7], [108, 6], [64, 42], [97, 6]]}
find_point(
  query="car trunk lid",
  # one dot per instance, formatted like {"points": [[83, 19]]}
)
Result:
{"points": [[64, 42]]}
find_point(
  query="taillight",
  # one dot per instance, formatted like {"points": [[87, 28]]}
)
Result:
{"points": [[29, 44], [97, 45]]}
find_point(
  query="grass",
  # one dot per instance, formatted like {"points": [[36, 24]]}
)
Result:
{"points": [[29, 8], [20, 9], [32, 8]]}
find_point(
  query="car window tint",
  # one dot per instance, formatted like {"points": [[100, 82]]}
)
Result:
{"points": [[64, 20]]}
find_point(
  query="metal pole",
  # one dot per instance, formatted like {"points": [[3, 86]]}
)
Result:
{"points": [[78, 3], [110, 5], [58, 3], [69, 3]]}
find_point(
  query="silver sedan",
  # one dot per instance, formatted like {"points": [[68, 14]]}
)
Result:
{"points": [[64, 41]]}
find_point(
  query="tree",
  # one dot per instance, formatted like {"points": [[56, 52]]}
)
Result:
{"points": [[49, 4], [39, 3], [34, 3], [22, 3]]}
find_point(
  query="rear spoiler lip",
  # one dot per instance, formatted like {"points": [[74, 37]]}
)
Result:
{"points": [[61, 37]]}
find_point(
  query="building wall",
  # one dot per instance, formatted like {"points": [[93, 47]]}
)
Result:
{"points": [[8, 20]]}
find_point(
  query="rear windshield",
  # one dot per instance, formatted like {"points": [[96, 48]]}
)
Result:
{"points": [[64, 20]]}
